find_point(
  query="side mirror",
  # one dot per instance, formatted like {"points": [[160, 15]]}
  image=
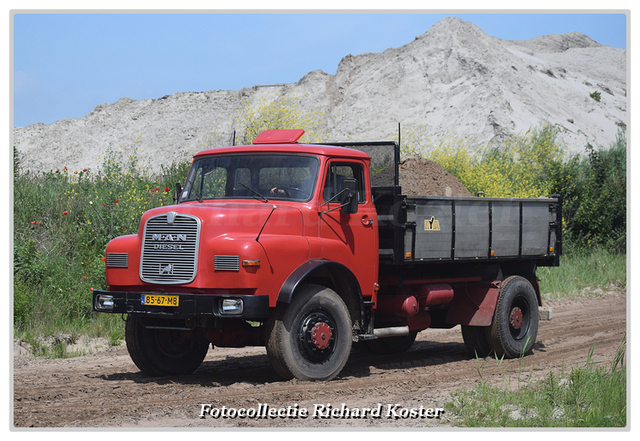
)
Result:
{"points": [[349, 196], [177, 193]]}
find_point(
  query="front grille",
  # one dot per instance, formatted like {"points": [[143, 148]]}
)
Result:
{"points": [[117, 260], [170, 249]]}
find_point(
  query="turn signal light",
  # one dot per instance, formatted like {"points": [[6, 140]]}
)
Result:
{"points": [[250, 263]]}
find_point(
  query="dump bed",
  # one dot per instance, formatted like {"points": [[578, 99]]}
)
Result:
{"points": [[454, 228]]}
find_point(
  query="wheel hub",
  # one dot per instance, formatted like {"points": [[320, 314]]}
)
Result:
{"points": [[516, 317], [321, 335]]}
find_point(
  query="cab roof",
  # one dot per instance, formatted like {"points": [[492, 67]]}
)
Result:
{"points": [[285, 141]]}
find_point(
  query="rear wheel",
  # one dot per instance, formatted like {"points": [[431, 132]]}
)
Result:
{"points": [[515, 321], [310, 338], [157, 351]]}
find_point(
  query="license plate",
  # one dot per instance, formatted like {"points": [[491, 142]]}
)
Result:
{"points": [[158, 300]]}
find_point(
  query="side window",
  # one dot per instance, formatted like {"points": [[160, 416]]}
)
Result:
{"points": [[337, 173]]}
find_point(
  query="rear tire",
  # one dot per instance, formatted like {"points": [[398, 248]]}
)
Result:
{"points": [[515, 322], [310, 338], [159, 352]]}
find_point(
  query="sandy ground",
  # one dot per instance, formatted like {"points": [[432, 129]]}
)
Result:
{"points": [[106, 390]]}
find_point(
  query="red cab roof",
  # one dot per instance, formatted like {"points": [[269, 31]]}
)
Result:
{"points": [[285, 141]]}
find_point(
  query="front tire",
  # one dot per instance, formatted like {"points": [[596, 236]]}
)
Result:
{"points": [[159, 352], [310, 338], [515, 322]]}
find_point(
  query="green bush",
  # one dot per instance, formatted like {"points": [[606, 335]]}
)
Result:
{"points": [[594, 188]]}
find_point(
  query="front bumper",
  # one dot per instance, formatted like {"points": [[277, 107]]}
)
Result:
{"points": [[189, 305]]}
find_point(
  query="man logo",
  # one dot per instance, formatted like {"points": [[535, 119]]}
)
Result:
{"points": [[169, 237], [166, 269]]}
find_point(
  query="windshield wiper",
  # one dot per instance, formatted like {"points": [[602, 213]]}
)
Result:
{"points": [[192, 187], [259, 196]]}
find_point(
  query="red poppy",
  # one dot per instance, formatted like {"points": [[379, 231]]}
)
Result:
{"points": [[90, 289], [84, 277], [57, 171], [65, 213], [167, 189], [84, 169], [116, 201], [37, 223], [152, 190], [104, 205]]}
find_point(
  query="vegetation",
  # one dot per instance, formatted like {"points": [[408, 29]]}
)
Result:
{"points": [[63, 220], [584, 273], [257, 115], [587, 396]]}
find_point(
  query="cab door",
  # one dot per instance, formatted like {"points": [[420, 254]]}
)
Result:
{"points": [[350, 238]]}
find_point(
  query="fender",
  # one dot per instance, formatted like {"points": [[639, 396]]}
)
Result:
{"points": [[334, 275], [320, 268]]}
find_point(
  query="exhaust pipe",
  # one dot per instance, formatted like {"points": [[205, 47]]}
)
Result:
{"points": [[396, 331]]}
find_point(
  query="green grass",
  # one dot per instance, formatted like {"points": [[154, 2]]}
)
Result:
{"points": [[588, 396], [582, 271]]}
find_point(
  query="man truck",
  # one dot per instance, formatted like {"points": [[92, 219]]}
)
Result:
{"points": [[307, 248]]}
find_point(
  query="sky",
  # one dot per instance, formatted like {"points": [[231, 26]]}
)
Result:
{"points": [[65, 64]]}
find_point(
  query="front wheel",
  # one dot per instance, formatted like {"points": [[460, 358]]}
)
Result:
{"points": [[310, 338], [515, 321], [158, 350]]}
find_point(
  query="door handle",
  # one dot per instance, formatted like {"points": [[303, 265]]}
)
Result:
{"points": [[367, 222]]}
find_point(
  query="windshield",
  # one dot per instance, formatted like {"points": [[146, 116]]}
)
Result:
{"points": [[259, 176]]}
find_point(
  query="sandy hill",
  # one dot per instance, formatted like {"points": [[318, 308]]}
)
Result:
{"points": [[453, 78]]}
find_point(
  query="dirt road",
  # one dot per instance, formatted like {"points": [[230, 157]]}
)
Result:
{"points": [[105, 389]]}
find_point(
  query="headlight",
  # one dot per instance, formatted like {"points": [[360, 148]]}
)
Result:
{"points": [[232, 306], [104, 302]]}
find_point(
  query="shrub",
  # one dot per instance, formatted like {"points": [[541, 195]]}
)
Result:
{"points": [[259, 114]]}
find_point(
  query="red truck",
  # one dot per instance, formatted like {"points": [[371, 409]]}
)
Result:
{"points": [[307, 248]]}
